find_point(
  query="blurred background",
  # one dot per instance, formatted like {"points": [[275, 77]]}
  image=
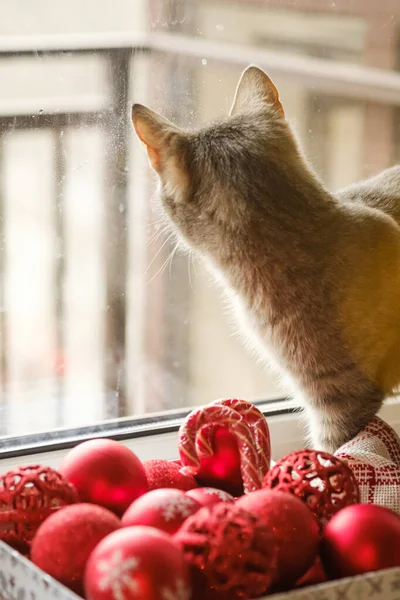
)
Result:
{"points": [[96, 320]]}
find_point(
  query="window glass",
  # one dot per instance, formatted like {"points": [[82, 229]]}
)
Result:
{"points": [[100, 317]]}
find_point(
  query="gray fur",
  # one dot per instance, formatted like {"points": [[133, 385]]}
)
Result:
{"points": [[295, 260]]}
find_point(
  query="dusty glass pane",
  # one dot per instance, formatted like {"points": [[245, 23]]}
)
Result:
{"points": [[100, 317]]}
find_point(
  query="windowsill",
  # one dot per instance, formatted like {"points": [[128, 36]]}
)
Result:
{"points": [[156, 437]]}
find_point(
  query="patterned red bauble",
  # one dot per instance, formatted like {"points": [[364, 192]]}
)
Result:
{"points": [[28, 495], [208, 495], [137, 563], [64, 542], [165, 509], [105, 472], [166, 474], [230, 549], [359, 539], [295, 529], [325, 483]]}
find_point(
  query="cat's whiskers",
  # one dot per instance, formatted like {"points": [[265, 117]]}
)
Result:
{"points": [[189, 272], [158, 251], [171, 258], [165, 263], [155, 236]]}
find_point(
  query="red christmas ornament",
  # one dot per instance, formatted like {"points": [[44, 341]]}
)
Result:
{"points": [[222, 469], [295, 529], [28, 495], [315, 575], [165, 509], [230, 549], [137, 563], [359, 539], [325, 483], [166, 474], [226, 445], [208, 495], [64, 542], [105, 472]]}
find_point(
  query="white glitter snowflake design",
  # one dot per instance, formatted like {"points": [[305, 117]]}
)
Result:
{"points": [[220, 493], [177, 507], [116, 574], [181, 592]]}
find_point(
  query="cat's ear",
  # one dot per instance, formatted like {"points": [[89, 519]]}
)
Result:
{"points": [[155, 132], [254, 87]]}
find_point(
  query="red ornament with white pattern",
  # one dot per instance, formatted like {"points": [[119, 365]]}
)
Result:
{"points": [[226, 444], [165, 509], [137, 563], [208, 495], [322, 481]]}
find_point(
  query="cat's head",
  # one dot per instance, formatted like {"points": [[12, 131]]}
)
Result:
{"points": [[213, 182]]}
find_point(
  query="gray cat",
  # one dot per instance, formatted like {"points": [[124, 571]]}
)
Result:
{"points": [[314, 278]]}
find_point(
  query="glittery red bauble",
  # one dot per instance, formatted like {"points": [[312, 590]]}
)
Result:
{"points": [[223, 469], [315, 574], [105, 472], [231, 549], [63, 543], [325, 483], [28, 495], [208, 495], [166, 474], [137, 563], [165, 509], [361, 538], [295, 529]]}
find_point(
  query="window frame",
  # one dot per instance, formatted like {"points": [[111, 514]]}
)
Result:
{"points": [[155, 436]]}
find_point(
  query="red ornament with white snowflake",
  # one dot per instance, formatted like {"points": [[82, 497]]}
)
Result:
{"points": [[208, 495], [137, 563], [165, 509]]}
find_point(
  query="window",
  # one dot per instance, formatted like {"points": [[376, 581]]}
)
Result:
{"points": [[104, 329]]}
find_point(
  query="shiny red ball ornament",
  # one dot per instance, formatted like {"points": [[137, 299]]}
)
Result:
{"points": [[296, 530], [166, 474], [222, 469], [208, 495], [137, 563], [106, 473], [28, 495], [359, 539], [64, 542], [165, 509], [322, 481], [231, 549]]}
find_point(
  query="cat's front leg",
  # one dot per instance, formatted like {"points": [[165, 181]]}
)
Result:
{"points": [[335, 420]]}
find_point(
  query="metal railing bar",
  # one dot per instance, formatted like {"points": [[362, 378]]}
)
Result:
{"points": [[324, 76]]}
